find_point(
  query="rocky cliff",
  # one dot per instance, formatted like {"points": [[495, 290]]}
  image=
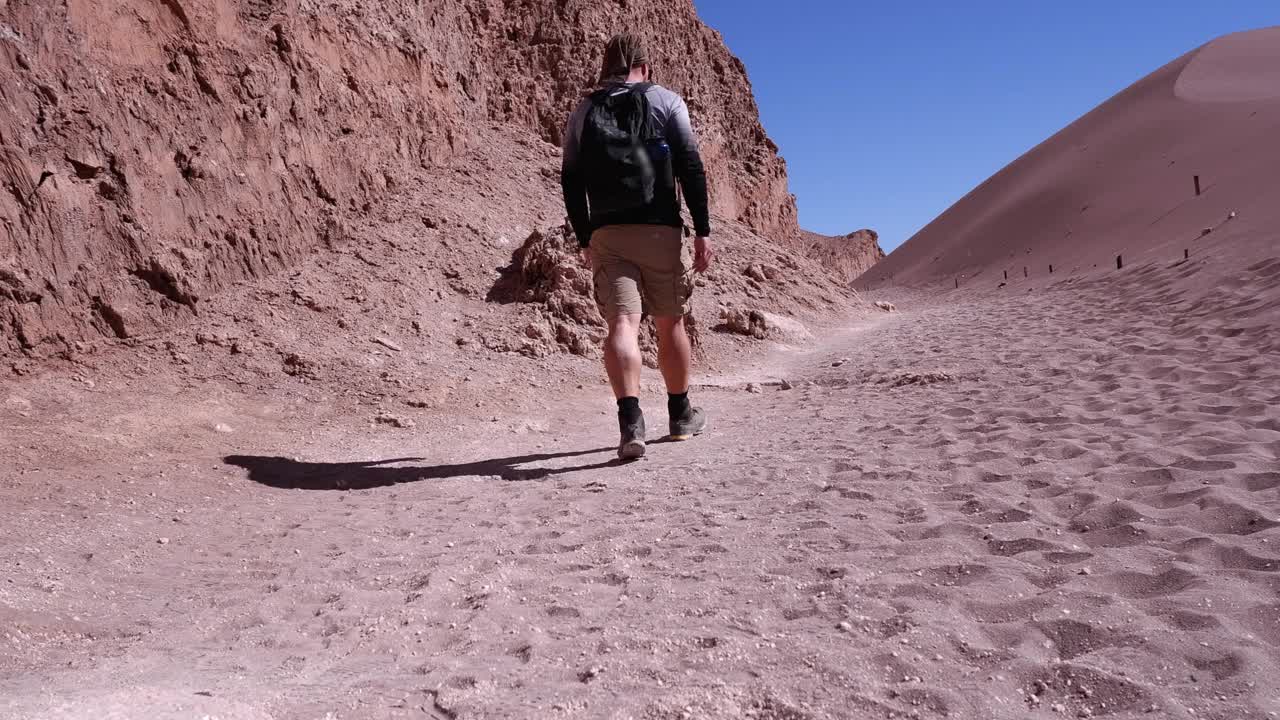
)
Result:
{"points": [[153, 152], [848, 256]]}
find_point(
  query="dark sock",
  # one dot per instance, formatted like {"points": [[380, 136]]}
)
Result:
{"points": [[677, 405], [629, 409]]}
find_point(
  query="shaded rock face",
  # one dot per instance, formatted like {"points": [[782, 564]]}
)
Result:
{"points": [[848, 256], [546, 273], [751, 323], [154, 152]]}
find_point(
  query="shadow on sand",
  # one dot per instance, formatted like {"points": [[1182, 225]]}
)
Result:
{"points": [[281, 472]]}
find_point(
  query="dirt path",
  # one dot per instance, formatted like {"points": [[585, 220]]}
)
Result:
{"points": [[1013, 506]]}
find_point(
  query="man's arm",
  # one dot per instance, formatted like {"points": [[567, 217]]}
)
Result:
{"points": [[572, 182], [688, 167]]}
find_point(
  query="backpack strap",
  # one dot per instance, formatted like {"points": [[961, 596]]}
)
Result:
{"points": [[612, 88], [649, 131]]}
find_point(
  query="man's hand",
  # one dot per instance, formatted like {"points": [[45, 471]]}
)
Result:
{"points": [[702, 254], [584, 257]]}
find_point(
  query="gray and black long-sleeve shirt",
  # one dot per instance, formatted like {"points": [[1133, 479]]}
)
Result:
{"points": [[671, 116]]}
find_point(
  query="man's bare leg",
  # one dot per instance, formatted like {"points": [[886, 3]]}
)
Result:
{"points": [[622, 362], [674, 353], [622, 355], [675, 356]]}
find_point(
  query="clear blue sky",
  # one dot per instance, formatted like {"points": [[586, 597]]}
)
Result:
{"points": [[889, 112]]}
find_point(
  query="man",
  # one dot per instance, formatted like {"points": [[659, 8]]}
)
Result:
{"points": [[624, 148]]}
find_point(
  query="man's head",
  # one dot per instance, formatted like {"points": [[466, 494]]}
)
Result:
{"points": [[625, 60]]}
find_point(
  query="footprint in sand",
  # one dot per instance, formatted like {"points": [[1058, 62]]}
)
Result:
{"points": [[1231, 519], [1260, 482], [1133, 584], [1189, 621], [1011, 548], [1265, 621], [1072, 638]]}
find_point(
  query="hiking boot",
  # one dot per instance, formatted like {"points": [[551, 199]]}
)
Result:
{"points": [[691, 422], [631, 446]]}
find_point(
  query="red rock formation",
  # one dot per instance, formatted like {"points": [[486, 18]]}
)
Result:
{"points": [[153, 153], [847, 255]]}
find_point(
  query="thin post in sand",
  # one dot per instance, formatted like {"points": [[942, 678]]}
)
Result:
{"points": [[1050, 269], [1197, 181], [1186, 254], [1006, 274], [1119, 262], [1024, 271]]}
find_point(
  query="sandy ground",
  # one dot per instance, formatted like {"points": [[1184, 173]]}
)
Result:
{"points": [[1033, 503]]}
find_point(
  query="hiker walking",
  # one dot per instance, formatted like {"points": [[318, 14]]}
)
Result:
{"points": [[624, 148]]}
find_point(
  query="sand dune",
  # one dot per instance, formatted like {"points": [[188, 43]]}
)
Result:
{"points": [[1240, 68], [1121, 180]]}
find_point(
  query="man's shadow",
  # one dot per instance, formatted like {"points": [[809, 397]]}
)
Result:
{"points": [[282, 472]]}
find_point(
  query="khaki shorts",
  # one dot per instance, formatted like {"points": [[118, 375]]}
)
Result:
{"points": [[641, 269]]}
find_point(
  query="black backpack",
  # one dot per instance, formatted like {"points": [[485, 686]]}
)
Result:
{"points": [[618, 169]]}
